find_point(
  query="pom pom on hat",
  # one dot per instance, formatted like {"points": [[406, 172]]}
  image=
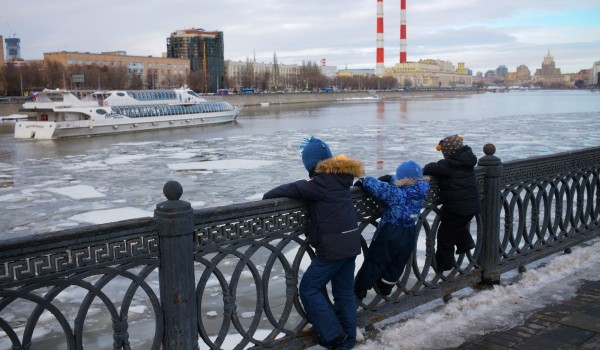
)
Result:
{"points": [[313, 151], [410, 170], [450, 145]]}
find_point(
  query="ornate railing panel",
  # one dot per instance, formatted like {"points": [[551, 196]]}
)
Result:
{"points": [[227, 277], [549, 204], [81, 282]]}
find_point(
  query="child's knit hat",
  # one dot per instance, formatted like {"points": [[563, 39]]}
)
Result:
{"points": [[409, 169], [313, 151], [450, 145]]}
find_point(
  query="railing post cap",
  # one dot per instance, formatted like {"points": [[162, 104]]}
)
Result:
{"points": [[172, 190], [489, 159], [489, 149]]}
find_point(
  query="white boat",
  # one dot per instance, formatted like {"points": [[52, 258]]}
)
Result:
{"points": [[63, 113]]}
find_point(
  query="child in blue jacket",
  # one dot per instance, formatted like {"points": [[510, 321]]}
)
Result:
{"points": [[402, 196], [333, 233]]}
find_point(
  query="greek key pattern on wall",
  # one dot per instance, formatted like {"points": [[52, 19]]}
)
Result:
{"points": [[226, 230], [72, 258]]}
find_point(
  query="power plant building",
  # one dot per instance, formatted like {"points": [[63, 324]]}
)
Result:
{"points": [[205, 52]]}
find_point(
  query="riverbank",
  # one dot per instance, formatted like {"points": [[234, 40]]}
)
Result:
{"points": [[301, 97], [304, 97]]}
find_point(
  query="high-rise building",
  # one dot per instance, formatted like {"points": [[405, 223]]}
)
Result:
{"points": [[13, 49], [549, 75], [595, 74], [502, 71], [206, 53]]}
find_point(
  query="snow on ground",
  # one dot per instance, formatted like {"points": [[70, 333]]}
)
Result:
{"points": [[503, 307]]}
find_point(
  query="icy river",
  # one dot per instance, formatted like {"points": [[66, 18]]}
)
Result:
{"points": [[54, 185]]}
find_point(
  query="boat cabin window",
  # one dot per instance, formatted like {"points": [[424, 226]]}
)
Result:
{"points": [[100, 111], [190, 92]]}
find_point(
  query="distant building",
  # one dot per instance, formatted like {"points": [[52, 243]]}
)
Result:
{"points": [[2, 87], [155, 72], [355, 72], [522, 76], [328, 71], [595, 74], [523, 73], [431, 74], [281, 76], [205, 52], [502, 71], [581, 78], [13, 49], [549, 75]]}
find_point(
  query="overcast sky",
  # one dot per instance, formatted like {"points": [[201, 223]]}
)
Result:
{"points": [[483, 34]]}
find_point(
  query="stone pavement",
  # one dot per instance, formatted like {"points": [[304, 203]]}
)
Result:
{"points": [[571, 324]]}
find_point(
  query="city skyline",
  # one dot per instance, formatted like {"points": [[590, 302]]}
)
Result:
{"points": [[482, 35]]}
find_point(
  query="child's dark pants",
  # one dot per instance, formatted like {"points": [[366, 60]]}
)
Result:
{"points": [[453, 230]]}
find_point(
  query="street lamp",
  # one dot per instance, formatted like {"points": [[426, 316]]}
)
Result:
{"points": [[21, 79]]}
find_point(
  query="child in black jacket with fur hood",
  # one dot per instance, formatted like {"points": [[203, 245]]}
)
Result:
{"points": [[459, 196]]}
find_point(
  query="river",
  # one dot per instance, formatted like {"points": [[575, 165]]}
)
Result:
{"points": [[52, 185], [58, 184]]}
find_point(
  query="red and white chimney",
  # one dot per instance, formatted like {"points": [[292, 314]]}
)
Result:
{"points": [[402, 31], [379, 67]]}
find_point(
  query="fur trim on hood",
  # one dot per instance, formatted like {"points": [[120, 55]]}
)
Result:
{"points": [[341, 165], [410, 181]]}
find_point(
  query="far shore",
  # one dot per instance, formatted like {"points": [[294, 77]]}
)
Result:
{"points": [[7, 109], [303, 97]]}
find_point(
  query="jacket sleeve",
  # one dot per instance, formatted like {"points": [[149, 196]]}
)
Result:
{"points": [[439, 168], [378, 189], [301, 189]]}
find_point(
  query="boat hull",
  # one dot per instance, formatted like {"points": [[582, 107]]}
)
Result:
{"points": [[46, 130]]}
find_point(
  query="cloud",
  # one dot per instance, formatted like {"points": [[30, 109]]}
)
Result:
{"points": [[482, 34]]}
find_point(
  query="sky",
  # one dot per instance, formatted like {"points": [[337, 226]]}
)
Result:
{"points": [[482, 34]]}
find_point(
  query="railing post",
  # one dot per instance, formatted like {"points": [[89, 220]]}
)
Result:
{"points": [[176, 274], [492, 204]]}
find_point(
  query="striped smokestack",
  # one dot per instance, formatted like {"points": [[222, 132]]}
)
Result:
{"points": [[379, 66], [402, 31]]}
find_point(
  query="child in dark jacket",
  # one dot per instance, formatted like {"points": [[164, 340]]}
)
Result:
{"points": [[402, 197], [459, 195], [333, 233]]}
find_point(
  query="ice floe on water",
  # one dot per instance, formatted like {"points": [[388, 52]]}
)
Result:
{"points": [[77, 192], [225, 164], [111, 215]]}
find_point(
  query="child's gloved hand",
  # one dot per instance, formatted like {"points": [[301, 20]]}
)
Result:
{"points": [[385, 178], [359, 183]]}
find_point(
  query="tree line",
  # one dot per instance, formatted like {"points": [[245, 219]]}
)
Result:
{"points": [[19, 80]]}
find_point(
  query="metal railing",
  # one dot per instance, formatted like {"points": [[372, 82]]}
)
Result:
{"points": [[227, 277]]}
